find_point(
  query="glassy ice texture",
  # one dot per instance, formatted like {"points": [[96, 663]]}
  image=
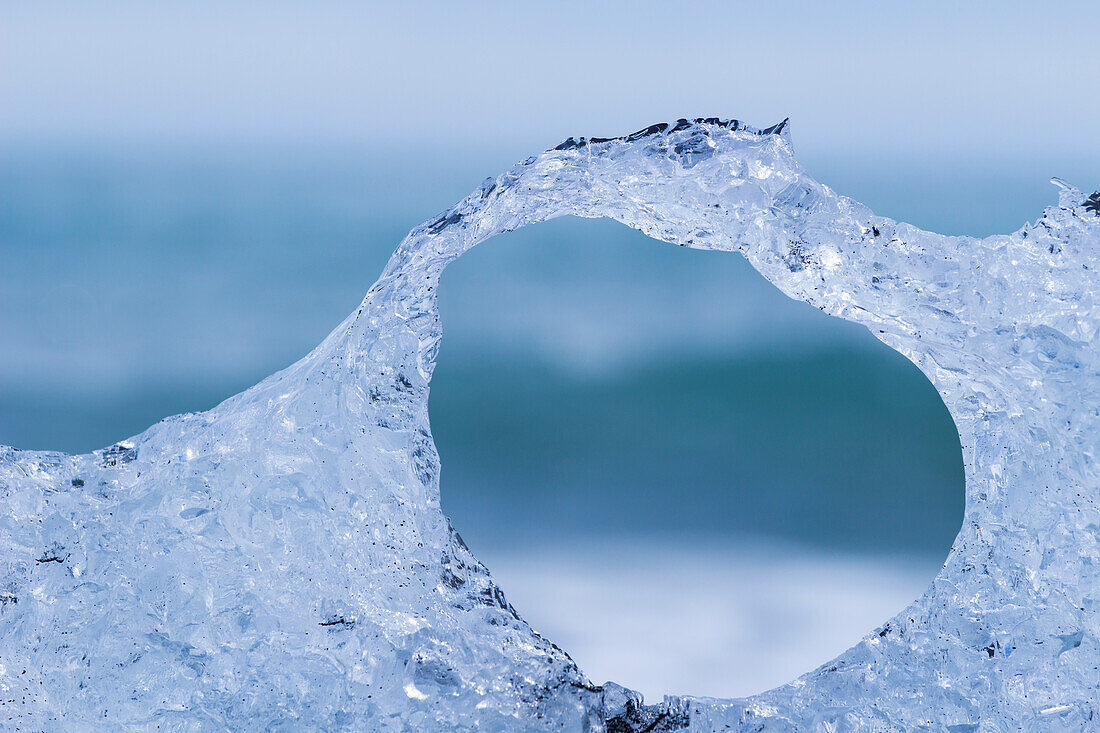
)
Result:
{"points": [[281, 562]]}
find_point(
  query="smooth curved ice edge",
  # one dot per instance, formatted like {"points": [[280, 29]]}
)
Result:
{"points": [[281, 561]]}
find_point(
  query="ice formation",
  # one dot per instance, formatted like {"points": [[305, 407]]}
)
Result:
{"points": [[281, 562]]}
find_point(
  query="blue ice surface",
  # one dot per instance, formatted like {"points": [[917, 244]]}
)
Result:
{"points": [[281, 560]]}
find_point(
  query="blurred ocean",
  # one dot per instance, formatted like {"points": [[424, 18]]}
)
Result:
{"points": [[689, 481]]}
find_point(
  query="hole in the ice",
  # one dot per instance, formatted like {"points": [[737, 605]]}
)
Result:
{"points": [[690, 482]]}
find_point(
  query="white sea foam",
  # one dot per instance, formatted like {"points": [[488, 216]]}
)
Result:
{"points": [[711, 619]]}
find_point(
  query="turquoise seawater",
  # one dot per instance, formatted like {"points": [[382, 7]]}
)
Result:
{"points": [[592, 382]]}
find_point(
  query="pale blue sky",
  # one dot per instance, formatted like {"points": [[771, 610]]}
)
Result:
{"points": [[1000, 78]]}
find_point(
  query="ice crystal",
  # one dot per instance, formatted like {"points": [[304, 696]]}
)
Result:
{"points": [[281, 561]]}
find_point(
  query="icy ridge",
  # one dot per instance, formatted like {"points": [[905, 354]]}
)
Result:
{"points": [[281, 561]]}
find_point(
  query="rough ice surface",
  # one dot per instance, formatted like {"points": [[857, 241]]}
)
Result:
{"points": [[281, 562]]}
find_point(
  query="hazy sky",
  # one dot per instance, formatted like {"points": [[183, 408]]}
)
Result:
{"points": [[992, 96], [989, 75]]}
